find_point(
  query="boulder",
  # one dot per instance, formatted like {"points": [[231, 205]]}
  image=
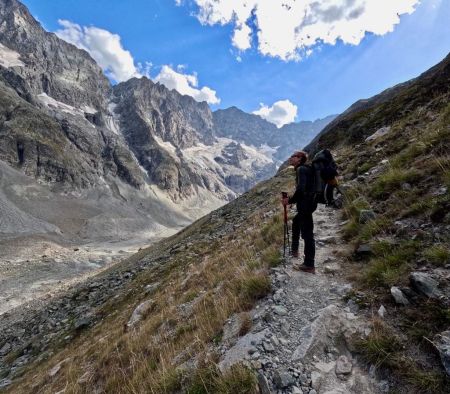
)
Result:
{"points": [[280, 310], [82, 323], [425, 284], [241, 348], [379, 133], [381, 311], [332, 327], [283, 379], [399, 296], [442, 344], [365, 215], [6, 348], [343, 366], [263, 384], [363, 250], [140, 312]]}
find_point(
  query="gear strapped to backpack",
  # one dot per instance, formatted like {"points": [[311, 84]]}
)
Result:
{"points": [[325, 172]]}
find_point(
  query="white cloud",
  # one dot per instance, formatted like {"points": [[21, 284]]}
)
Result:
{"points": [[105, 47], [118, 63], [242, 37], [186, 84], [280, 113], [288, 28]]}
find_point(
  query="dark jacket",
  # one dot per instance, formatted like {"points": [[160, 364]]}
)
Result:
{"points": [[304, 195]]}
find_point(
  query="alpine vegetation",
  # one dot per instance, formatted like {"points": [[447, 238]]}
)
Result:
{"points": [[152, 241]]}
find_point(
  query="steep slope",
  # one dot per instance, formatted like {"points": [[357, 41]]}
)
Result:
{"points": [[394, 153], [108, 169], [428, 92], [162, 320], [237, 124], [48, 64]]}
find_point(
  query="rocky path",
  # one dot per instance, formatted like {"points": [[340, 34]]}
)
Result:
{"points": [[301, 339]]}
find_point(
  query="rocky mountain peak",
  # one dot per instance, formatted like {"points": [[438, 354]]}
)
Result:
{"points": [[51, 65], [169, 115]]}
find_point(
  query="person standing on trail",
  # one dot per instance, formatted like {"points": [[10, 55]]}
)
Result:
{"points": [[302, 223]]}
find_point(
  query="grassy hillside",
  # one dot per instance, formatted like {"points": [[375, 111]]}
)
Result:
{"points": [[404, 178], [194, 281], [214, 268]]}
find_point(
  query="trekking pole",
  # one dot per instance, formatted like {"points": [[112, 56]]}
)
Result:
{"points": [[286, 228]]}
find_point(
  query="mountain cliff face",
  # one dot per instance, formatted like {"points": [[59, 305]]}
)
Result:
{"points": [[253, 130], [139, 143], [62, 122], [50, 65], [54, 101], [157, 124]]}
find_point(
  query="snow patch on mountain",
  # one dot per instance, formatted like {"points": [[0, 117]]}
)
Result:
{"points": [[9, 58], [59, 106]]}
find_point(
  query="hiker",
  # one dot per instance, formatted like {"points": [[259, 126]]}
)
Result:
{"points": [[302, 224]]}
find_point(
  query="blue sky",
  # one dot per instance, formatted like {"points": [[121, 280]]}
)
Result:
{"points": [[326, 81]]}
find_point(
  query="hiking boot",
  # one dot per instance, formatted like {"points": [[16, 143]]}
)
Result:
{"points": [[305, 268]]}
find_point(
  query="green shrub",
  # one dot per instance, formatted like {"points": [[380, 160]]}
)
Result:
{"points": [[204, 380], [365, 167], [408, 155], [427, 381], [254, 287], [238, 379], [271, 256], [438, 254], [381, 347], [208, 380], [353, 207], [170, 382], [419, 207], [351, 229], [271, 232], [391, 263], [374, 227], [392, 180], [384, 273]]}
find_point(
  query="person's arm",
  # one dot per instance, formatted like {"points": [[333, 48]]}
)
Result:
{"points": [[301, 185]]}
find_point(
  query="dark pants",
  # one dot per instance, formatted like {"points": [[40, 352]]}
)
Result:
{"points": [[303, 224]]}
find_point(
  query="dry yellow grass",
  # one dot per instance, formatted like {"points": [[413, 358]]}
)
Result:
{"points": [[201, 287]]}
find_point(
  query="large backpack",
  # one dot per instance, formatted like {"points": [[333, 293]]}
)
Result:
{"points": [[325, 182]]}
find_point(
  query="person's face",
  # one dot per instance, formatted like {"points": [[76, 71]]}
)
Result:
{"points": [[294, 161]]}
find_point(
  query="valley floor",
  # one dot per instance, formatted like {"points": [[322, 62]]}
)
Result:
{"points": [[37, 267]]}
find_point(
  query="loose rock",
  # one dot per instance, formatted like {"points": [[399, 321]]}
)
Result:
{"points": [[366, 215], [442, 344], [140, 312], [382, 311], [263, 384], [343, 366], [399, 296], [425, 284], [283, 379]]}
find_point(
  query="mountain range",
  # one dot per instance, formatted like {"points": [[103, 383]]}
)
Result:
{"points": [[140, 147]]}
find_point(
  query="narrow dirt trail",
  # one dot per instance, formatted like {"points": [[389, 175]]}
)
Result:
{"points": [[301, 339]]}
